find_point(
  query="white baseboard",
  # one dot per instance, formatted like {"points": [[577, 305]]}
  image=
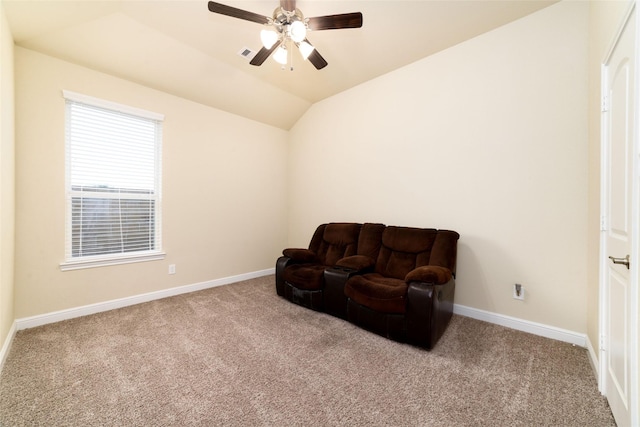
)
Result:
{"points": [[6, 346], [499, 319], [522, 325], [57, 316], [595, 363]]}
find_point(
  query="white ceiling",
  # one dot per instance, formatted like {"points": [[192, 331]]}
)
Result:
{"points": [[181, 48]]}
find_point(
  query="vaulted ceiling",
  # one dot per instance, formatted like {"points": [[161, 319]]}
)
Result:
{"points": [[181, 48]]}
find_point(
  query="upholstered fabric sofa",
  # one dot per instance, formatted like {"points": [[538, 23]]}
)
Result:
{"points": [[398, 282]]}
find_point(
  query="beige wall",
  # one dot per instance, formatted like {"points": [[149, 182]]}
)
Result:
{"points": [[488, 138], [7, 173], [224, 201], [605, 20]]}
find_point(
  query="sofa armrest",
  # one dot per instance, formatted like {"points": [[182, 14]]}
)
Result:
{"points": [[429, 310], [281, 264], [335, 301], [299, 255], [429, 274], [357, 262]]}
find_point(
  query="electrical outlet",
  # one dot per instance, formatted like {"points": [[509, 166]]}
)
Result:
{"points": [[518, 291], [172, 269]]}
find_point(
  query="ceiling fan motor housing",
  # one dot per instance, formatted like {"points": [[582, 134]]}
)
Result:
{"points": [[290, 23]]}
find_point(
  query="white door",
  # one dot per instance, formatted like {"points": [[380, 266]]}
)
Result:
{"points": [[619, 89]]}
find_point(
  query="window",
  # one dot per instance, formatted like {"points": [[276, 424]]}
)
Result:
{"points": [[113, 178]]}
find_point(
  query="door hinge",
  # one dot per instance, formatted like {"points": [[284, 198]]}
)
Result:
{"points": [[605, 104], [603, 223]]}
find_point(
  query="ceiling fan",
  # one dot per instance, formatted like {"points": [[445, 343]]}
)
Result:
{"points": [[288, 27]]}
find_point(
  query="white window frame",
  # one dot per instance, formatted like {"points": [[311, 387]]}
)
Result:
{"points": [[81, 262]]}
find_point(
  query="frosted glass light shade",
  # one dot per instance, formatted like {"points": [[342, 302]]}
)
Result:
{"points": [[268, 38], [281, 55], [305, 49], [298, 31]]}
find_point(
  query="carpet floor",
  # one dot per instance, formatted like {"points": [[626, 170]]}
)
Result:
{"points": [[239, 355]]}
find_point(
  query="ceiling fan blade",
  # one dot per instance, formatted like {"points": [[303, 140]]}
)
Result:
{"points": [[237, 13], [316, 59], [263, 54], [336, 22], [288, 5]]}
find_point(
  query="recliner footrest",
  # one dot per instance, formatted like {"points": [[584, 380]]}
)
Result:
{"points": [[304, 297], [388, 325]]}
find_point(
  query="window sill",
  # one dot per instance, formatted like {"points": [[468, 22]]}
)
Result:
{"points": [[107, 261]]}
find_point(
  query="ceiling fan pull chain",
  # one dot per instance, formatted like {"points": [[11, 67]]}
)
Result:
{"points": [[291, 55], [284, 43]]}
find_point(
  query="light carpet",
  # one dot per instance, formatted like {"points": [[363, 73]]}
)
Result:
{"points": [[239, 355]]}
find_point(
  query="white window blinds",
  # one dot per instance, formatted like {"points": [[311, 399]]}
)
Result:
{"points": [[113, 180]]}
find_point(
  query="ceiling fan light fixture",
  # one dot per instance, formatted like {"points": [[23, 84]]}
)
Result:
{"points": [[298, 31], [281, 56], [268, 38], [288, 26], [305, 49]]}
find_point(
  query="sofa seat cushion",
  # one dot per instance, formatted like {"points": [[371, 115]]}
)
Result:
{"points": [[379, 293], [305, 276]]}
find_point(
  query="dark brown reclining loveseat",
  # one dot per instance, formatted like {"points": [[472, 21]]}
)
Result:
{"points": [[396, 281]]}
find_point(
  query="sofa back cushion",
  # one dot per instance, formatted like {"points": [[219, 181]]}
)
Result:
{"points": [[370, 239], [334, 241], [445, 250], [403, 249]]}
